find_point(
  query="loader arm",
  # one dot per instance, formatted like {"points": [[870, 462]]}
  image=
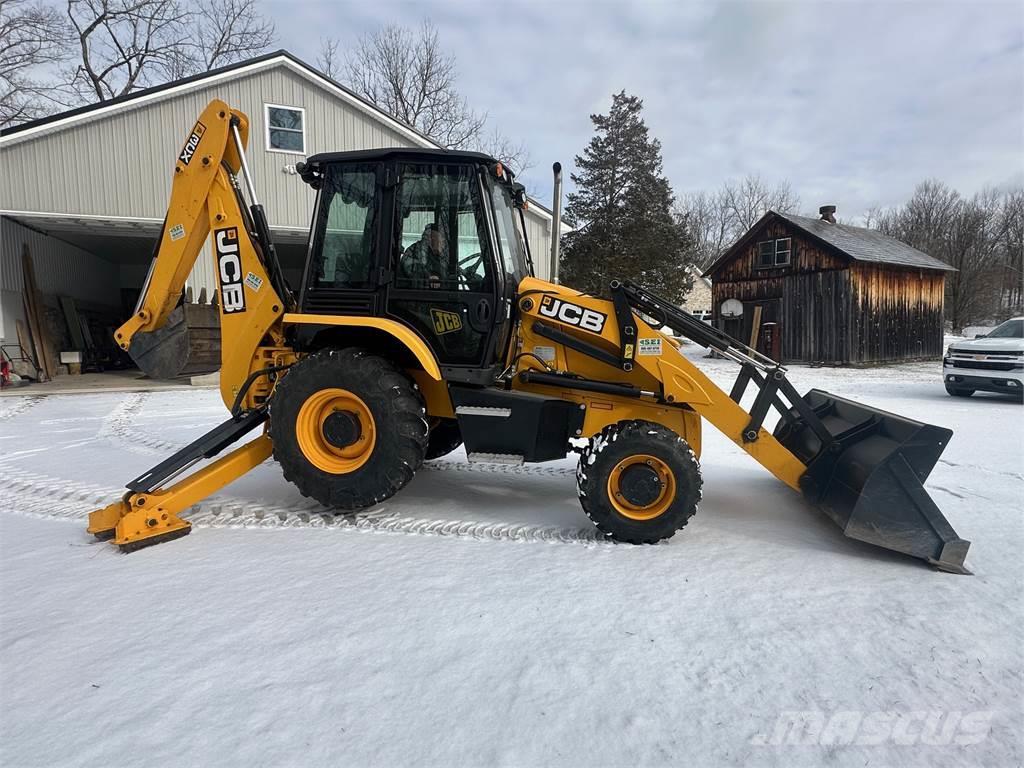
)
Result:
{"points": [[863, 467]]}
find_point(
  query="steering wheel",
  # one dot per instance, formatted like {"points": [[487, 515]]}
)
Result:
{"points": [[469, 271]]}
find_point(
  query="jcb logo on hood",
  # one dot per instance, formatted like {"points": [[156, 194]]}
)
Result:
{"points": [[229, 270], [563, 311], [192, 144]]}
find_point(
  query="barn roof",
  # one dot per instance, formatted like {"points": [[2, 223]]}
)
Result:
{"points": [[857, 243]]}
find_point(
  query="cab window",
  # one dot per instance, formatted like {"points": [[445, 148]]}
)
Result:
{"points": [[441, 230], [347, 218]]}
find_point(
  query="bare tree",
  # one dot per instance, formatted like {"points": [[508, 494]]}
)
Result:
{"points": [[408, 74], [328, 60], [514, 154], [979, 236], [1012, 284], [129, 44], [226, 31], [717, 219], [32, 37], [123, 43]]}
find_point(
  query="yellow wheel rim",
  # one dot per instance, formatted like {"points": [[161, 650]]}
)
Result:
{"points": [[653, 509], [309, 429]]}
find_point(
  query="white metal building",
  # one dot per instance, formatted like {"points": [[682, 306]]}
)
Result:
{"points": [[87, 190]]}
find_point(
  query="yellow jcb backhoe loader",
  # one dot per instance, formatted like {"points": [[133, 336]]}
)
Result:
{"points": [[418, 326]]}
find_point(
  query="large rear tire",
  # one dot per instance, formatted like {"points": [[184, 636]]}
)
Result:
{"points": [[639, 482], [348, 428], [444, 438]]}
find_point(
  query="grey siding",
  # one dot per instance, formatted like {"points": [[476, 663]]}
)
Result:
{"points": [[60, 269], [120, 164]]}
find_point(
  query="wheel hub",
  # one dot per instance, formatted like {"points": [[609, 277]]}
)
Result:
{"points": [[640, 485], [342, 429], [335, 430]]}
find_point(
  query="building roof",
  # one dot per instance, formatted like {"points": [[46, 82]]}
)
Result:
{"points": [[276, 58], [202, 78], [857, 243]]}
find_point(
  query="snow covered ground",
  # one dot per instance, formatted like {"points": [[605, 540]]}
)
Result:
{"points": [[475, 619]]}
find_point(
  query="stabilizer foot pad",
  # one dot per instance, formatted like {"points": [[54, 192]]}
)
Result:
{"points": [[149, 541], [106, 535]]}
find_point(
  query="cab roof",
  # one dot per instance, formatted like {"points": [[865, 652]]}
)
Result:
{"points": [[310, 170], [405, 153]]}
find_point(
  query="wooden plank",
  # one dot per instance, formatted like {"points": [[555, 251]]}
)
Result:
{"points": [[33, 308], [755, 327], [25, 342]]}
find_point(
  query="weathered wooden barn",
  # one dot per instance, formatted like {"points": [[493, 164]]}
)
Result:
{"points": [[817, 291]]}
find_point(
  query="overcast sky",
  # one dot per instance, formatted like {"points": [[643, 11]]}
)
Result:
{"points": [[853, 103]]}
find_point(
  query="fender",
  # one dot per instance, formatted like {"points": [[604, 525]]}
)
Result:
{"points": [[409, 338]]}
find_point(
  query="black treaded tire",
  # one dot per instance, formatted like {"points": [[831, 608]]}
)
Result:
{"points": [[398, 416], [955, 392], [444, 438], [618, 442]]}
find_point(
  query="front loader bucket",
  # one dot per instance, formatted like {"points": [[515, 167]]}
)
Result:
{"points": [[870, 479], [187, 345]]}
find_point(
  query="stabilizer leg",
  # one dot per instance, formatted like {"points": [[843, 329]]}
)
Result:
{"points": [[141, 519]]}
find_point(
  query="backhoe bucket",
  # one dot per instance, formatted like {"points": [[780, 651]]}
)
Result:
{"points": [[187, 345], [870, 479]]}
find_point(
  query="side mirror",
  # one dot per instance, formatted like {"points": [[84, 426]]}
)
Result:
{"points": [[519, 195], [980, 335]]}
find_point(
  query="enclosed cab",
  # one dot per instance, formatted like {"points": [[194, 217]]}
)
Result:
{"points": [[430, 239]]}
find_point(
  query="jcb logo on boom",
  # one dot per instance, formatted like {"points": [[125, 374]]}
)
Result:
{"points": [[229, 270], [563, 311], [192, 144]]}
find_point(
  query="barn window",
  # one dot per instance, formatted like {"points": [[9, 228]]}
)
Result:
{"points": [[286, 129], [783, 248], [774, 253]]}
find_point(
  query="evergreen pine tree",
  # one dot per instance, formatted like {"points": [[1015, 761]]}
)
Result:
{"points": [[622, 210]]}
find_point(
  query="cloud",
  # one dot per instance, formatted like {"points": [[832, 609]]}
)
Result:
{"points": [[853, 103]]}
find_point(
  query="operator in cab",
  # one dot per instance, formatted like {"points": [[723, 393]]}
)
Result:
{"points": [[422, 264]]}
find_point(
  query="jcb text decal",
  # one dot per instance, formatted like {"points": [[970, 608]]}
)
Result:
{"points": [[229, 270], [445, 322], [192, 144], [563, 311]]}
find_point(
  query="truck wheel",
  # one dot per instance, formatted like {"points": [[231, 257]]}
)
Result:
{"points": [[444, 438], [959, 392], [348, 428], [638, 482]]}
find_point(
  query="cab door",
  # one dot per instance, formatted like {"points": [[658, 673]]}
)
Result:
{"points": [[444, 281]]}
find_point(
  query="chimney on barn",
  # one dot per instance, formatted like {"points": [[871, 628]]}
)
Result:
{"points": [[828, 213]]}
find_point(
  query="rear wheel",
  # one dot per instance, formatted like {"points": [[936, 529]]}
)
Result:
{"points": [[638, 482], [955, 392], [444, 438], [348, 428]]}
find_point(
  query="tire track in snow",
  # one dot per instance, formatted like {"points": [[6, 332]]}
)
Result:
{"points": [[40, 496], [980, 468], [18, 405]]}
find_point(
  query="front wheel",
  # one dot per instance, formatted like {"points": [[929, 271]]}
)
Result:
{"points": [[959, 392], [445, 437], [639, 482], [348, 428]]}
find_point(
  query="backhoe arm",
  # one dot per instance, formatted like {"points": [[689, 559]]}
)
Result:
{"points": [[205, 200], [187, 223]]}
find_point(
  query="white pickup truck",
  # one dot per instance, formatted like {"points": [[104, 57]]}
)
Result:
{"points": [[990, 363]]}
